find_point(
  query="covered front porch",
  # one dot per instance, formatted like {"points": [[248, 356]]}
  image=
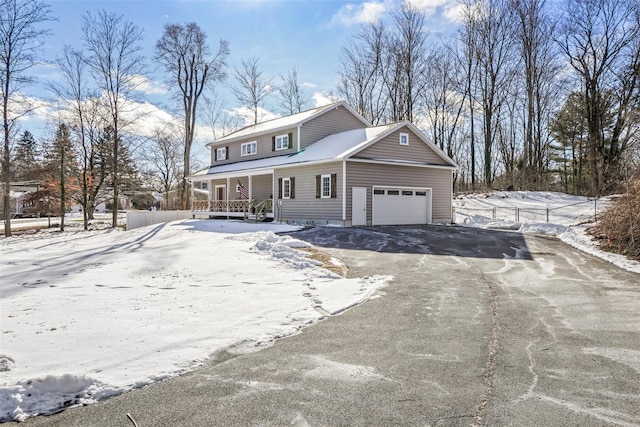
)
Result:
{"points": [[248, 197]]}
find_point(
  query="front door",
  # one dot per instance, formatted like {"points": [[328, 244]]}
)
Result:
{"points": [[358, 206], [220, 192]]}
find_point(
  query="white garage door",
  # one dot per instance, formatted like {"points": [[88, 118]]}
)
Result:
{"points": [[394, 206]]}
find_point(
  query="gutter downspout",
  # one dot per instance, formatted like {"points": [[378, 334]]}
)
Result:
{"points": [[344, 191], [192, 195]]}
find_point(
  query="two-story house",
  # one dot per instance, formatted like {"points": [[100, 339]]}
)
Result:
{"points": [[328, 165]]}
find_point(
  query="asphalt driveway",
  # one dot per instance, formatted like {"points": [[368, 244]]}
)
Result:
{"points": [[478, 328]]}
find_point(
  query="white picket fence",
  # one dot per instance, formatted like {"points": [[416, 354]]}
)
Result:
{"points": [[136, 219]]}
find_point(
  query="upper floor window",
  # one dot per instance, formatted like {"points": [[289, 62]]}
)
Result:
{"points": [[404, 139], [249, 148], [221, 153], [282, 142]]}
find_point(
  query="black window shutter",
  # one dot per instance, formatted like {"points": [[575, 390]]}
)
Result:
{"points": [[273, 143], [318, 185], [334, 186], [290, 140], [279, 188], [293, 188], [226, 149]]}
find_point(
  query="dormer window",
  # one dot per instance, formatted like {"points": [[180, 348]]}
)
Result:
{"points": [[404, 139], [282, 142], [249, 148], [221, 153]]}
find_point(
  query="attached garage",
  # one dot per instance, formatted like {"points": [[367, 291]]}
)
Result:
{"points": [[397, 206]]}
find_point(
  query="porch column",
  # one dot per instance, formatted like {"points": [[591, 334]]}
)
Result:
{"points": [[250, 187], [192, 194], [227, 196], [209, 194]]}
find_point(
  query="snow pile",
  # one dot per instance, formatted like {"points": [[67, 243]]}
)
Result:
{"points": [[88, 315], [526, 212]]}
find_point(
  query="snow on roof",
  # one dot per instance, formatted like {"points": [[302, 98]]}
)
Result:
{"points": [[286, 122], [333, 147]]}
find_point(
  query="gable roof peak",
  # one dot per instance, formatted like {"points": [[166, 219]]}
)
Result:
{"points": [[281, 123]]}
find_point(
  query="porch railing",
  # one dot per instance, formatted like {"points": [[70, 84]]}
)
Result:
{"points": [[250, 208], [240, 206], [261, 209]]}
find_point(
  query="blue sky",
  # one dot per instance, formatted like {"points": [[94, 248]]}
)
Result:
{"points": [[307, 34]]}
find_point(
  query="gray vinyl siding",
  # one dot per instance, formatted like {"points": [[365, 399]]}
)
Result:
{"points": [[265, 148], [305, 207], [334, 121], [261, 186], [390, 148], [367, 175]]}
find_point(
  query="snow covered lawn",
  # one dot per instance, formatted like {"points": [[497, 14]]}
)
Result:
{"points": [[88, 315]]}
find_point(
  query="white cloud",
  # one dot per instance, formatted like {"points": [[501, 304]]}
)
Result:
{"points": [[246, 114], [362, 13], [320, 99], [450, 9], [428, 7], [39, 109], [453, 12], [146, 86], [309, 85]]}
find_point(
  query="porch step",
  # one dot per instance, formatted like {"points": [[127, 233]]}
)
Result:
{"points": [[260, 218]]}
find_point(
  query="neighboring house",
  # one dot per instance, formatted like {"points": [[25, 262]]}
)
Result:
{"points": [[328, 165]]}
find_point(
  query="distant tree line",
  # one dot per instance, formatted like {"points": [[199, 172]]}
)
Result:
{"points": [[530, 94]]}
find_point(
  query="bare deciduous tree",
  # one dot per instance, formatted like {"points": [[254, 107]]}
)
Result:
{"points": [[600, 39], [293, 97], [252, 86], [113, 54], [407, 63], [441, 97], [73, 92], [164, 158], [534, 32], [21, 37], [360, 72], [493, 42], [184, 53], [220, 121]]}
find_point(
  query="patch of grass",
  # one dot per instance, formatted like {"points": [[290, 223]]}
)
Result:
{"points": [[326, 260]]}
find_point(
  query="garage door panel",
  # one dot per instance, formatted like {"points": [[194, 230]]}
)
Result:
{"points": [[400, 206]]}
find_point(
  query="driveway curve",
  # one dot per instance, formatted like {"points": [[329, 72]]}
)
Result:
{"points": [[478, 328]]}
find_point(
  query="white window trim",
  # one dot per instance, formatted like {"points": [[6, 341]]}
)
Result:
{"points": [[279, 139], [245, 151], [284, 194], [322, 193], [406, 135], [221, 153]]}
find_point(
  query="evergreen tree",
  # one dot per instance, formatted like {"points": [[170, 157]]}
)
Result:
{"points": [[569, 129], [62, 170], [128, 178], [98, 167], [26, 164]]}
